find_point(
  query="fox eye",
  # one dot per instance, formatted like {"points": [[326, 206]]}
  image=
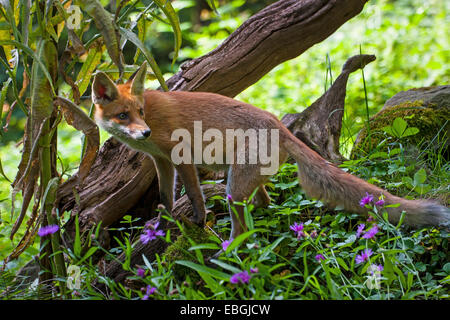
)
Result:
{"points": [[122, 116], [141, 112]]}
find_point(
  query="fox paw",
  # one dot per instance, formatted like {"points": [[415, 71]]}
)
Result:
{"points": [[200, 221]]}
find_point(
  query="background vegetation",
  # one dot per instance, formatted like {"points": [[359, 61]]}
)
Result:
{"points": [[411, 42]]}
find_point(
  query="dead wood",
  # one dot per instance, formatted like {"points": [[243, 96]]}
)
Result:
{"points": [[319, 126]]}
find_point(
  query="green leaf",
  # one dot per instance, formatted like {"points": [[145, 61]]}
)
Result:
{"points": [[420, 177], [226, 266], [77, 242], [446, 268], [342, 263], [204, 269], [32, 54], [422, 188], [106, 25], [89, 253], [398, 127], [270, 248], [3, 97], [209, 246], [408, 181], [388, 270], [129, 35], [88, 67], [410, 132], [241, 238], [3, 173], [212, 5], [331, 284], [382, 155]]}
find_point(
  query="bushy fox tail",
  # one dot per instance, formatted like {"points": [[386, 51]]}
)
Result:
{"points": [[322, 180]]}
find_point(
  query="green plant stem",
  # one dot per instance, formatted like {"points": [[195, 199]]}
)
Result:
{"points": [[366, 102], [48, 199]]}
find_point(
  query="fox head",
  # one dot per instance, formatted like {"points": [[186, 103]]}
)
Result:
{"points": [[119, 109]]}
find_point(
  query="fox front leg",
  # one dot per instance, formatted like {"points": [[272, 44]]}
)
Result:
{"points": [[188, 174], [166, 174]]}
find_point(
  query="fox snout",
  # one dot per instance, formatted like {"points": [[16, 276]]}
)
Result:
{"points": [[145, 134]]}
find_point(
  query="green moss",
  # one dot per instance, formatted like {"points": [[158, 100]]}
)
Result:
{"points": [[427, 119], [179, 250]]}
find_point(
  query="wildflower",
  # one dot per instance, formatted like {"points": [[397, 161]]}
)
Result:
{"points": [[254, 270], [360, 230], [371, 233], [319, 257], [225, 244], [366, 200], [374, 278], [150, 234], [140, 272], [298, 229], [313, 234], [363, 256], [150, 290], [375, 269], [380, 202], [370, 218], [46, 230], [229, 198], [243, 277]]}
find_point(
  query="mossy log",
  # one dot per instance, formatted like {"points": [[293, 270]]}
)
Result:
{"points": [[427, 109]]}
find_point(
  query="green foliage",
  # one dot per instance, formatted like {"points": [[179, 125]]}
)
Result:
{"points": [[410, 118], [399, 129]]}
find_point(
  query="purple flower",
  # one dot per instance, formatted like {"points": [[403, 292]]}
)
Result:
{"points": [[229, 198], [380, 203], [225, 244], [149, 225], [363, 256], [375, 268], [150, 234], [243, 277], [370, 218], [319, 257], [254, 270], [371, 233], [46, 230], [313, 234], [366, 200], [140, 272], [150, 291], [298, 229], [360, 230]]}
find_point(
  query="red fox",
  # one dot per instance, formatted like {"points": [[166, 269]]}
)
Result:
{"points": [[145, 120]]}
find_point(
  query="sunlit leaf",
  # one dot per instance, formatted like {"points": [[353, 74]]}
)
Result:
{"points": [[88, 67], [105, 24], [129, 35]]}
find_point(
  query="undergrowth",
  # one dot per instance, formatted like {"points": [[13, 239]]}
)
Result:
{"points": [[294, 249]]}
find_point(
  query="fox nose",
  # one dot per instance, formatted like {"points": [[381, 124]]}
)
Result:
{"points": [[147, 133]]}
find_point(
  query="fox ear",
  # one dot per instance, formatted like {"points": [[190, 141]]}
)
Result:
{"points": [[137, 85], [104, 90]]}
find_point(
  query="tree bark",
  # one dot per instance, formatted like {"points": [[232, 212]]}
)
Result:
{"points": [[319, 125], [281, 31]]}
